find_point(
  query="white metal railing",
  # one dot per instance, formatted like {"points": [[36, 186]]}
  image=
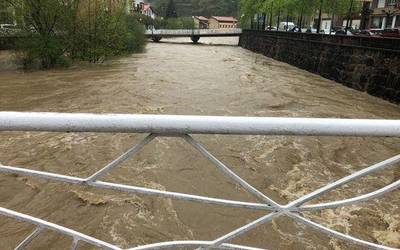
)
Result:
{"points": [[193, 32], [183, 126]]}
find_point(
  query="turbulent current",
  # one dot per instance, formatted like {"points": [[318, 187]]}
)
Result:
{"points": [[212, 78]]}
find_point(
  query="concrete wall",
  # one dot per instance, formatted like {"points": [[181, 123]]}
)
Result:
{"points": [[363, 63]]}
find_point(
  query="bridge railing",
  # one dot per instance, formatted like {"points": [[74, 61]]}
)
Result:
{"points": [[184, 127], [190, 32]]}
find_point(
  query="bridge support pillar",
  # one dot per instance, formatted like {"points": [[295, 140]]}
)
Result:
{"points": [[195, 39]]}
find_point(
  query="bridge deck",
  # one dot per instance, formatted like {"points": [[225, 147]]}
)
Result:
{"points": [[193, 32]]}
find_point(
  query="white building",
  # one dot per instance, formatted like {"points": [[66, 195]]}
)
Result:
{"points": [[144, 8]]}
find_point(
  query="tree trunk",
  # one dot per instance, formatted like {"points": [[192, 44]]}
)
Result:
{"points": [[319, 17], [287, 22], [270, 17], [279, 19], [263, 23], [349, 16]]}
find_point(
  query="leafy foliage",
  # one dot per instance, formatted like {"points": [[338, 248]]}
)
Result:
{"points": [[63, 30], [6, 13], [171, 10], [162, 23], [199, 7], [296, 7]]}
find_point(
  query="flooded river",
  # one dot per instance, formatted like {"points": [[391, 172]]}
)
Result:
{"points": [[176, 77]]}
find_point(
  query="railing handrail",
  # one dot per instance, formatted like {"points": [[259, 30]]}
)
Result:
{"points": [[193, 31], [182, 127], [176, 124]]}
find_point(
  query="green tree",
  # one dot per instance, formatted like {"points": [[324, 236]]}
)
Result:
{"points": [[199, 7], [62, 30], [296, 8], [171, 10], [6, 12]]}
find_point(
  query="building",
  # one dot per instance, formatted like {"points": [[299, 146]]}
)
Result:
{"points": [[144, 9], [385, 14], [222, 22], [352, 20], [200, 22]]}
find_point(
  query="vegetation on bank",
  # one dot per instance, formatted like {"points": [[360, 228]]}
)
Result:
{"points": [[61, 31], [170, 20], [199, 7], [170, 23]]}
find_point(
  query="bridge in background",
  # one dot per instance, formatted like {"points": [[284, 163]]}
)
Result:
{"points": [[194, 34]]}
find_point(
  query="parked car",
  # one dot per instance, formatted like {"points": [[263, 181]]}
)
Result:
{"points": [[7, 29], [367, 33], [295, 29], [6, 26], [286, 26], [377, 32], [395, 33], [272, 28], [343, 31], [311, 30]]}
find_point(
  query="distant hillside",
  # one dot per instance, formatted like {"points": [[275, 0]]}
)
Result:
{"points": [[199, 7]]}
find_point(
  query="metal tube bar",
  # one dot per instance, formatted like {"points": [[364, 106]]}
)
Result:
{"points": [[350, 201], [134, 189], [235, 233], [344, 180], [57, 228], [29, 239], [229, 172], [339, 235], [42, 174], [131, 152], [181, 196], [74, 244], [294, 204], [186, 244], [172, 124]]}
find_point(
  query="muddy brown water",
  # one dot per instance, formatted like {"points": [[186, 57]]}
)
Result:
{"points": [[176, 77]]}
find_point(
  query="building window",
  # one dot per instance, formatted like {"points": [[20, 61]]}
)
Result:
{"points": [[377, 22], [391, 3], [389, 22], [397, 24], [381, 3]]}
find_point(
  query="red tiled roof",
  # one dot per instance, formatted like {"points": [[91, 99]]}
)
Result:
{"points": [[227, 19], [146, 7]]}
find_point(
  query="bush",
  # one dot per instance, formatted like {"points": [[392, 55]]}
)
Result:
{"points": [[77, 30], [46, 51]]}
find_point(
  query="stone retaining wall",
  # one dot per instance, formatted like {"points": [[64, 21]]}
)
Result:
{"points": [[363, 63]]}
